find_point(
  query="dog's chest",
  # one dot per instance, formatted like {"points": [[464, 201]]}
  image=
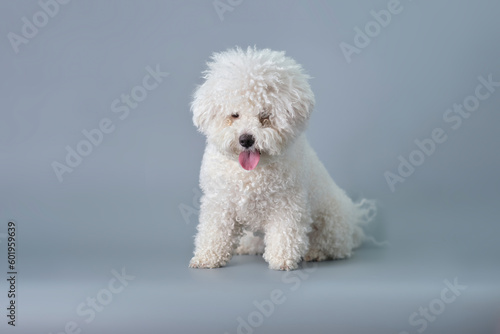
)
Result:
{"points": [[249, 196], [254, 194]]}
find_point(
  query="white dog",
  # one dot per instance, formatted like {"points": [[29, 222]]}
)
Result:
{"points": [[261, 180]]}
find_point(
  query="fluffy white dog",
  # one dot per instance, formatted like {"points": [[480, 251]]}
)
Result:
{"points": [[261, 181]]}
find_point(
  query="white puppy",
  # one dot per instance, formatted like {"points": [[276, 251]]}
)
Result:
{"points": [[259, 176]]}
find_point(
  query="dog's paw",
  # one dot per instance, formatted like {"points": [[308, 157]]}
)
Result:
{"points": [[205, 263], [283, 265]]}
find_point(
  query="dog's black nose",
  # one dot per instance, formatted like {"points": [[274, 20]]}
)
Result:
{"points": [[246, 140]]}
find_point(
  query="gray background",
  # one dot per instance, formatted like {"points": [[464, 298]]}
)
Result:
{"points": [[120, 208]]}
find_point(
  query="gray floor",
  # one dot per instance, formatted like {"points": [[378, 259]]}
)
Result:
{"points": [[375, 291]]}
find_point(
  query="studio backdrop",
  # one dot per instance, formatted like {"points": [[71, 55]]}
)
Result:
{"points": [[99, 166]]}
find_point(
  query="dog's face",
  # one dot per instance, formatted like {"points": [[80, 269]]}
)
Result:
{"points": [[252, 104]]}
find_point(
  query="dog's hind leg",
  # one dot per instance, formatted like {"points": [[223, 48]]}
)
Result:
{"points": [[336, 229]]}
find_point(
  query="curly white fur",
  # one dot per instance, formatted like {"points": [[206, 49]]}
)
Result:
{"points": [[289, 198]]}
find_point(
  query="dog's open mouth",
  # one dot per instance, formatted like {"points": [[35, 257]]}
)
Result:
{"points": [[249, 159]]}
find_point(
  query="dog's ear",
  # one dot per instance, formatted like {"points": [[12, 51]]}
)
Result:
{"points": [[202, 110], [299, 101], [304, 104]]}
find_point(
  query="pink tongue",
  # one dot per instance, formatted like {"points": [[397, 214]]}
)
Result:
{"points": [[249, 160]]}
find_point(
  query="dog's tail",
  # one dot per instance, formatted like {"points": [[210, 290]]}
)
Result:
{"points": [[363, 212]]}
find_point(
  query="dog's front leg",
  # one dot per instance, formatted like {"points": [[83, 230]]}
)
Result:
{"points": [[286, 239], [217, 236]]}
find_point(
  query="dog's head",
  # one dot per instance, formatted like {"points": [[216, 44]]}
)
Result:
{"points": [[252, 104]]}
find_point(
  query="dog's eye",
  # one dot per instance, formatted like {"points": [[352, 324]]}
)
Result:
{"points": [[264, 116], [264, 119], [235, 115]]}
